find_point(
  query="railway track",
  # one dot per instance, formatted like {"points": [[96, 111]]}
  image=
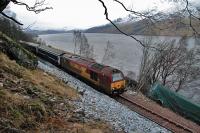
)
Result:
{"points": [[153, 116]]}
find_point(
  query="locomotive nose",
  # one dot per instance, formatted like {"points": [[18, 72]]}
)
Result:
{"points": [[118, 86]]}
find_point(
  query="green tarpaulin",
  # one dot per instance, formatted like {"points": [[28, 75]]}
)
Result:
{"points": [[175, 102]]}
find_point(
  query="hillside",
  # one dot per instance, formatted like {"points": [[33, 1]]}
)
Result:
{"points": [[42, 32], [32, 100], [128, 27], [168, 27]]}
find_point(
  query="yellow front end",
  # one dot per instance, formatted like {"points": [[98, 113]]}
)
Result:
{"points": [[118, 86]]}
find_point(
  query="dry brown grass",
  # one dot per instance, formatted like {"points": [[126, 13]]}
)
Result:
{"points": [[38, 77], [70, 127], [50, 83]]}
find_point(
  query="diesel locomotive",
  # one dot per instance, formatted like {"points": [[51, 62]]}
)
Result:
{"points": [[110, 80]]}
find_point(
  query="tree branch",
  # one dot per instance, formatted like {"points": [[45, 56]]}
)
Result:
{"points": [[33, 8], [151, 18], [106, 14], [190, 17], [107, 18], [134, 12], [11, 18], [38, 3]]}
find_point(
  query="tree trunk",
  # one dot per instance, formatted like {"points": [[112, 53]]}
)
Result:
{"points": [[179, 85], [3, 4]]}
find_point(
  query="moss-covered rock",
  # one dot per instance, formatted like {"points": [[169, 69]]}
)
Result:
{"points": [[17, 52]]}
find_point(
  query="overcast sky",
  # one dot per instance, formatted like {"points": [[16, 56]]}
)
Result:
{"points": [[80, 13]]}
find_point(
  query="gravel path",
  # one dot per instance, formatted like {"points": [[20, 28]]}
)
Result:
{"points": [[99, 106]]}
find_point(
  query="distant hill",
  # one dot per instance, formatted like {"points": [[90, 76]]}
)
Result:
{"points": [[130, 25], [41, 32]]}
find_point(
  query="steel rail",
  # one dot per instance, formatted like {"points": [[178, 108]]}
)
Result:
{"points": [[165, 124]]}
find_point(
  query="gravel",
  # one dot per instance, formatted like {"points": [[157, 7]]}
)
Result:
{"points": [[100, 106]]}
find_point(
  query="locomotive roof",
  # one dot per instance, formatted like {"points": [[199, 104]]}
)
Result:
{"points": [[51, 50], [97, 66], [91, 64], [109, 70]]}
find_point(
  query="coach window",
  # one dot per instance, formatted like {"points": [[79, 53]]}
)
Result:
{"points": [[93, 75]]}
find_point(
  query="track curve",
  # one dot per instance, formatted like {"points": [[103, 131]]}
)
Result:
{"points": [[154, 116]]}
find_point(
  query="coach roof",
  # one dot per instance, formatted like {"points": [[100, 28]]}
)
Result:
{"points": [[51, 50]]}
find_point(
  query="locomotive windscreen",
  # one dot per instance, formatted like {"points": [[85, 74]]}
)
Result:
{"points": [[117, 76]]}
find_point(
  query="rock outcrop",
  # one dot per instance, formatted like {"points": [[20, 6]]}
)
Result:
{"points": [[17, 52]]}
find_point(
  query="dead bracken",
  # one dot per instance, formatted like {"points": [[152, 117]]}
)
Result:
{"points": [[32, 100]]}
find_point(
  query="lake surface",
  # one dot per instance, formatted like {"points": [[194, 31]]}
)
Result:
{"points": [[127, 51]]}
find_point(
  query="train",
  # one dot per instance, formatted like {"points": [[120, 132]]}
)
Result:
{"points": [[106, 78]]}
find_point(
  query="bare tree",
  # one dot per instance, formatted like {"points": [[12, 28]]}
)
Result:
{"points": [[90, 52], [82, 46], [173, 65], [144, 80], [190, 70], [76, 39], [108, 53], [41, 42], [86, 50]]}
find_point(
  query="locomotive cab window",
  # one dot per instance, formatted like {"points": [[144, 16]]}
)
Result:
{"points": [[116, 77], [93, 75]]}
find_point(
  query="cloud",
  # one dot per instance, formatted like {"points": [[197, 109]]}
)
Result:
{"points": [[80, 13]]}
